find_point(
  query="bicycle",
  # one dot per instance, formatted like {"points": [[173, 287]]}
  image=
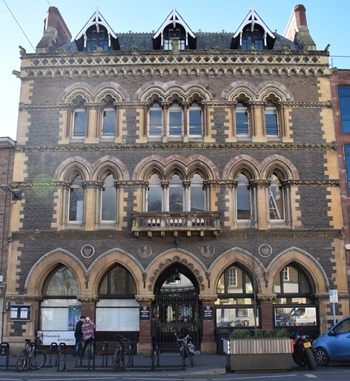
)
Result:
{"points": [[186, 349], [122, 356], [30, 357]]}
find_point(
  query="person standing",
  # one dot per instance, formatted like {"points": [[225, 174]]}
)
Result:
{"points": [[78, 336], [88, 330]]}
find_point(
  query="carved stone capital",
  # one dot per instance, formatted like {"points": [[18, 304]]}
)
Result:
{"points": [[208, 298], [145, 299], [24, 298], [88, 298], [266, 298]]}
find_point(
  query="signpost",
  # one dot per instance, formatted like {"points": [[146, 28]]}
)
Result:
{"points": [[333, 298]]}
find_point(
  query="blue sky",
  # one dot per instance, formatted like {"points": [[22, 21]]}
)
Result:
{"points": [[327, 21]]}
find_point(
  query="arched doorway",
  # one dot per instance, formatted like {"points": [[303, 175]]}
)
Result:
{"points": [[176, 308]]}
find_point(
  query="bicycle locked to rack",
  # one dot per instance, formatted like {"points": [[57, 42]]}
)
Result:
{"points": [[186, 349], [122, 357], [30, 357]]}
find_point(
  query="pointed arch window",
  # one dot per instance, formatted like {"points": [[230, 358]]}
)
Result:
{"points": [[276, 196], [175, 120], [109, 199], [79, 120], [176, 194], [154, 194], [109, 120], [195, 119], [243, 198], [271, 119], [242, 119], [155, 120], [295, 303], [59, 309], [76, 200], [235, 305], [197, 194]]}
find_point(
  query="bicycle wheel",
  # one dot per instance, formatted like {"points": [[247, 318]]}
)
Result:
{"points": [[126, 359], [21, 362], [37, 361], [117, 360]]}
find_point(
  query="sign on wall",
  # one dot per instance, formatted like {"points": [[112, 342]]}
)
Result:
{"points": [[49, 337], [208, 312]]}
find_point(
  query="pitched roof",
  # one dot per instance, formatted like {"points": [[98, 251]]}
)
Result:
{"points": [[174, 18]]}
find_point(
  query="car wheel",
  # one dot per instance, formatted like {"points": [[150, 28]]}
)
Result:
{"points": [[321, 357]]}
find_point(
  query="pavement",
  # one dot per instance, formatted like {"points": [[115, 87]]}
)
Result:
{"points": [[169, 364]]}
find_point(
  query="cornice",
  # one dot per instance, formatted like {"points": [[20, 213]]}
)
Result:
{"points": [[177, 146], [228, 62]]}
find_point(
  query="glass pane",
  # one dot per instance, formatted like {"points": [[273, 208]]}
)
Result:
{"points": [[119, 282], [155, 123], [195, 122], [276, 199], [117, 319], [271, 122], [109, 199], [291, 282], [109, 121], [76, 200], [54, 319], [175, 123], [79, 123], [243, 198], [295, 316], [61, 282], [197, 194], [234, 280], [154, 195], [175, 194], [242, 126], [347, 162], [236, 317], [221, 285]]}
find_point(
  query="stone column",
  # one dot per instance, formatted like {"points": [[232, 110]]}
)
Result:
{"points": [[208, 344], [145, 337], [266, 310]]}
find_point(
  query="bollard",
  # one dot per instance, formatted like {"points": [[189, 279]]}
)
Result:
{"points": [[53, 351], [5, 352]]}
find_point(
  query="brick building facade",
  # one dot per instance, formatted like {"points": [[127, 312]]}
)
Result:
{"points": [[175, 181]]}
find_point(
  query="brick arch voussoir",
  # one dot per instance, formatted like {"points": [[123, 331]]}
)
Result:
{"points": [[306, 262], [45, 265], [107, 260], [170, 257], [237, 256]]}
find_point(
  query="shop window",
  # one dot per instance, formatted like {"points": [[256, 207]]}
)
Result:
{"points": [[109, 199], [242, 120], [117, 309], [294, 304], [76, 200], [109, 120], [60, 310], [344, 104], [79, 121], [235, 304]]}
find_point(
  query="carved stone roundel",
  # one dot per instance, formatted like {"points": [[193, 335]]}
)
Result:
{"points": [[265, 250], [87, 251], [144, 251], [207, 251]]}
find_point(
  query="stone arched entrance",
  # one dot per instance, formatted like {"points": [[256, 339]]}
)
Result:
{"points": [[176, 308]]}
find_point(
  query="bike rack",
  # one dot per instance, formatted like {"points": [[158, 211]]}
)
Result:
{"points": [[62, 351], [5, 352], [53, 351], [91, 355], [105, 354]]}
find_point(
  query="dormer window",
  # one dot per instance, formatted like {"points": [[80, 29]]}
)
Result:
{"points": [[97, 38], [178, 34], [253, 38]]}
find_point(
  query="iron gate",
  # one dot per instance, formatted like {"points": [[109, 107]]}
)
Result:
{"points": [[176, 312]]}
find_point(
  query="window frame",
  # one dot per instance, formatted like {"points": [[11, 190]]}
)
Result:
{"points": [[271, 109], [109, 108], [344, 103], [79, 109]]}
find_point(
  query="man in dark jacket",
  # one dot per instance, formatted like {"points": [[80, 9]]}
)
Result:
{"points": [[78, 336]]}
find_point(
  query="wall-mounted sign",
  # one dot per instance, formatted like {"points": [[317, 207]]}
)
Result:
{"points": [[145, 313], [49, 337], [208, 312]]}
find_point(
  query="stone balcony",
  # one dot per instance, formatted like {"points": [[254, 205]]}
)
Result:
{"points": [[189, 223]]}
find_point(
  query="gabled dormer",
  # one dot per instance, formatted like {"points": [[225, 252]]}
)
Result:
{"points": [[173, 34], [96, 35], [252, 34]]}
